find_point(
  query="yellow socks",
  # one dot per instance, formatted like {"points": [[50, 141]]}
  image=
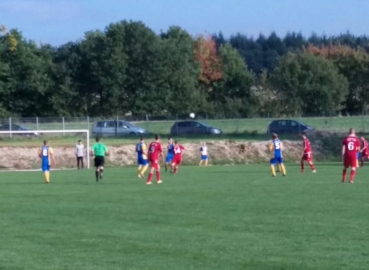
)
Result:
{"points": [[272, 169], [283, 169], [47, 177], [143, 170], [279, 168]]}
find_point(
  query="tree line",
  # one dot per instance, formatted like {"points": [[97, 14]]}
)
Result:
{"points": [[129, 69]]}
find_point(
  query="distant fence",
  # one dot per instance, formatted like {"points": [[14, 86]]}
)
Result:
{"points": [[162, 125]]}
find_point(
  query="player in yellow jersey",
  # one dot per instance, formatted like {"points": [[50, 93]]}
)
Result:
{"points": [[46, 154], [143, 163], [276, 149]]}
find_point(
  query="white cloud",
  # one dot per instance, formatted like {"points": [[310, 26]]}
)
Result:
{"points": [[41, 11]]}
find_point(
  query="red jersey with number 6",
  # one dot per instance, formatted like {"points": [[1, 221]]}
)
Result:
{"points": [[155, 150], [352, 146]]}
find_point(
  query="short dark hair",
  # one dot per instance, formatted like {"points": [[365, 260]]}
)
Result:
{"points": [[45, 142], [275, 135], [303, 133], [157, 137], [141, 138], [97, 139], [170, 138], [175, 142], [352, 130], [79, 140]]}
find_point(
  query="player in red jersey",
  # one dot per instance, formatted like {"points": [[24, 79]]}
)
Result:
{"points": [[178, 151], [155, 150], [350, 147], [307, 154], [364, 151]]}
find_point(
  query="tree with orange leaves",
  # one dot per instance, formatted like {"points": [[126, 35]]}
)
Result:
{"points": [[206, 55]]}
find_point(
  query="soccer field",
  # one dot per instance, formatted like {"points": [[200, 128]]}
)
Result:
{"points": [[226, 217]]}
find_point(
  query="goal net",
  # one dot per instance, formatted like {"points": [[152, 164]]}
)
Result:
{"points": [[20, 148]]}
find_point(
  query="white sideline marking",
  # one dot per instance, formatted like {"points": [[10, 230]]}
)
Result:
{"points": [[36, 170]]}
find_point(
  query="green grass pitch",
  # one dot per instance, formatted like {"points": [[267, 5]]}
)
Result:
{"points": [[226, 217]]}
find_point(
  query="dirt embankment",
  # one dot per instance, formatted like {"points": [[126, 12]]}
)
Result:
{"points": [[221, 152]]}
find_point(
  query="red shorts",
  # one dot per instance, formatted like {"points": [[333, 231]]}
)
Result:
{"points": [[177, 161], [154, 163], [307, 157], [350, 162]]}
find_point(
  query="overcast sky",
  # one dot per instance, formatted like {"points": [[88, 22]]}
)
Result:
{"points": [[60, 21]]}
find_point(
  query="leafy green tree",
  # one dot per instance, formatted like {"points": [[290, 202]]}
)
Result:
{"points": [[179, 73], [101, 74], [309, 84], [28, 77], [354, 65], [234, 89], [141, 47]]}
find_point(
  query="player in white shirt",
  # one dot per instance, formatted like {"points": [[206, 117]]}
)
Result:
{"points": [[80, 153], [204, 154]]}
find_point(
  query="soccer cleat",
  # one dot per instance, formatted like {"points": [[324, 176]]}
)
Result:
{"points": [[148, 183], [314, 171], [159, 182], [351, 182]]}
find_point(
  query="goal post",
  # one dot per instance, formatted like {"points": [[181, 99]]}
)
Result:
{"points": [[61, 139]]}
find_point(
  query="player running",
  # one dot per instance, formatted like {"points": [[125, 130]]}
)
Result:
{"points": [[276, 148], [307, 154], [99, 150], [46, 154], [364, 151], [178, 151], [350, 146], [142, 161], [170, 154], [155, 150], [204, 154]]}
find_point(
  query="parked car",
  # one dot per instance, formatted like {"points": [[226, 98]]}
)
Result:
{"points": [[287, 126], [15, 127], [116, 128], [193, 128]]}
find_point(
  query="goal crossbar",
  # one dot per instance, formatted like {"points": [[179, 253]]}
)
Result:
{"points": [[37, 132]]}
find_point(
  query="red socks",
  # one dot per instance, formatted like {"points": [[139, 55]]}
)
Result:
{"points": [[302, 166], [352, 175], [344, 175], [312, 166], [149, 178], [158, 175]]}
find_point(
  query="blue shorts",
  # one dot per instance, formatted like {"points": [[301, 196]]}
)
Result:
{"points": [[275, 160], [169, 159], [45, 167], [358, 155], [204, 158], [142, 162]]}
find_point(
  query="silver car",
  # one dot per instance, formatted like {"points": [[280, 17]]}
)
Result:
{"points": [[116, 128]]}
